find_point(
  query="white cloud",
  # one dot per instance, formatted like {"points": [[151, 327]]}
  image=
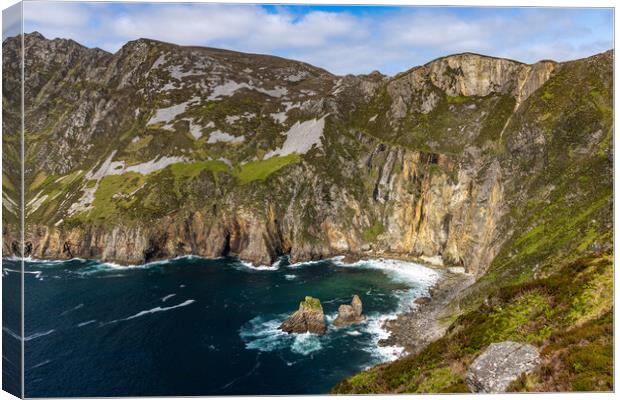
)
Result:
{"points": [[243, 26], [342, 41], [11, 21], [49, 13]]}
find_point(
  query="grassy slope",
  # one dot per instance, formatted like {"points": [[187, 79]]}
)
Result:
{"points": [[135, 198], [567, 314], [552, 283]]}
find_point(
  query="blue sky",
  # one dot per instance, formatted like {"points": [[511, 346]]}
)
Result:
{"points": [[342, 39]]}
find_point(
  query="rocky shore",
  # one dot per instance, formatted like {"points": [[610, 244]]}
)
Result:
{"points": [[428, 321]]}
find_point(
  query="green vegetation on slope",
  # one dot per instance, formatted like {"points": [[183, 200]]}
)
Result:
{"points": [[114, 192], [370, 234], [551, 284], [261, 169], [192, 170], [542, 312], [133, 196], [458, 99]]}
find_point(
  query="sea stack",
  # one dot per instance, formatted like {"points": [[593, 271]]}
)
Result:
{"points": [[350, 314], [309, 318]]}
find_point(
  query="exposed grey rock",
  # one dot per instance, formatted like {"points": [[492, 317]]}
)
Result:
{"points": [[309, 318], [350, 314], [422, 300], [500, 365]]}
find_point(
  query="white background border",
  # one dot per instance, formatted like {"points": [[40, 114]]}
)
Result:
{"points": [[485, 3]]}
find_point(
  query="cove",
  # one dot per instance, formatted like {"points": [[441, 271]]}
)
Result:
{"points": [[195, 326]]}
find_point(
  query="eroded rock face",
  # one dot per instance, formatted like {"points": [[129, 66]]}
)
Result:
{"points": [[308, 318], [466, 74], [350, 314], [500, 365], [426, 164]]}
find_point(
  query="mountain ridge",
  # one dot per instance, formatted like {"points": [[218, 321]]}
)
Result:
{"points": [[38, 35], [403, 108]]}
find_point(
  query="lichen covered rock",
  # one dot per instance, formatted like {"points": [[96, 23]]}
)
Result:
{"points": [[500, 365], [308, 318]]}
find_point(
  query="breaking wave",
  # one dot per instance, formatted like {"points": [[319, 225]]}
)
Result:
{"points": [[400, 271], [151, 311], [262, 333], [39, 334], [168, 297]]}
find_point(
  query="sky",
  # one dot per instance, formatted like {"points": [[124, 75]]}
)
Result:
{"points": [[341, 39]]}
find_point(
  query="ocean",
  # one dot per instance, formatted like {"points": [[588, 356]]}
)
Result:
{"points": [[195, 326]]}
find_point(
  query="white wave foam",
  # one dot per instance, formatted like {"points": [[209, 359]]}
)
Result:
{"points": [[50, 263], [246, 264], [13, 258], [168, 297], [329, 318], [37, 274], [103, 266], [418, 277], [306, 343], [11, 333], [81, 324], [40, 364], [158, 262], [151, 311], [301, 264], [374, 326], [107, 265], [401, 271], [11, 270], [290, 277], [39, 334], [264, 335], [72, 309]]}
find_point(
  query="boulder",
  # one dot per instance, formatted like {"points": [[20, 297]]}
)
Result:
{"points": [[422, 300], [350, 314], [500, 365], [308, 318]]}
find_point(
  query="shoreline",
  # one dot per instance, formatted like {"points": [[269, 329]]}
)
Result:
{"points": [[349, 258], [416, 328], [412, 329]]}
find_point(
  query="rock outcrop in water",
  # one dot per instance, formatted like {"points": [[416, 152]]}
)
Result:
{"points": [[350, 314], [308, 318], [500, 365]]}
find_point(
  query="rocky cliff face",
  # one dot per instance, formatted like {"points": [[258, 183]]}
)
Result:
{"points": [[160, 150], [539, 159]]}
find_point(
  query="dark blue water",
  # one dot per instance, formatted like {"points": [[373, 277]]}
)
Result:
{"points": [[11, 324], [194, 326]]}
